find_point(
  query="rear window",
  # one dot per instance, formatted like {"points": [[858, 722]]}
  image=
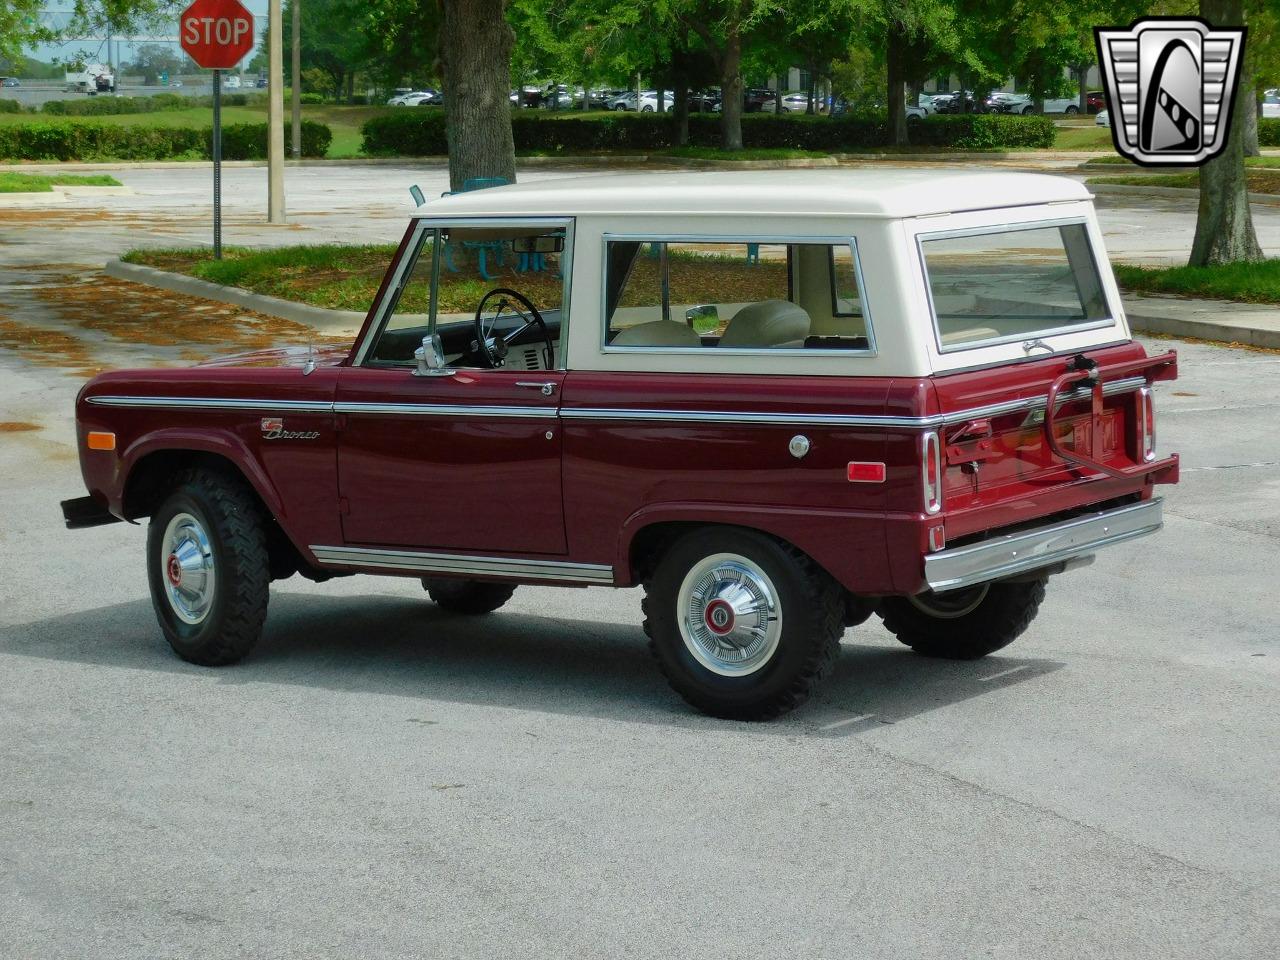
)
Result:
{"points": [[1013, 284]]}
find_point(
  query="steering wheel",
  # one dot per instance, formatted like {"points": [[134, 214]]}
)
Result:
{"points": [[493, 347]]}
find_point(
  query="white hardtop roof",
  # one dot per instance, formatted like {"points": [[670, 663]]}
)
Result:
{"points": [[819, 193]]}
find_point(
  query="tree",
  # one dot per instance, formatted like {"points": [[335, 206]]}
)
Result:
{"points": [[20, 22], [153, 59], [1224, 222], [475, 51]]}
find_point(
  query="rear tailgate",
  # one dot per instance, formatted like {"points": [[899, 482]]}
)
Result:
{"points": [[1006, 458]]}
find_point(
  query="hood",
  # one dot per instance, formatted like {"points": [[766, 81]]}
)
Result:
{"points": [[325, 355]]}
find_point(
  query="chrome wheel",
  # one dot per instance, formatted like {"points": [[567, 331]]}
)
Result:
{"points": [[952, 604], [186, 562], [729, 615]]}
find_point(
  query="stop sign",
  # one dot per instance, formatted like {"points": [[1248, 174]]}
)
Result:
{"points": [[216, 33]]}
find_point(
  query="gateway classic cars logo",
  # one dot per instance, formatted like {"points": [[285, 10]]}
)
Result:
{"points": [[1171, 84]]}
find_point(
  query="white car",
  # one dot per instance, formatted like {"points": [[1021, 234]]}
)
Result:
{"points": [[1016, 103], [411, 99], [1066, 105], [231, 82], [1103, 119], [627, 101], [792, 103], [1271, 104]]}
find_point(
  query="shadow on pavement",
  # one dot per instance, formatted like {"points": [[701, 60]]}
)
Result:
{"points": [[398, 647]]}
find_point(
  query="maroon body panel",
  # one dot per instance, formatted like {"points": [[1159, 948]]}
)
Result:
{"points": [[449, 462]]}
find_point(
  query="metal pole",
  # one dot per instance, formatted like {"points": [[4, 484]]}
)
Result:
{"points": [[275, 114], [295, 97], [217, 164]]}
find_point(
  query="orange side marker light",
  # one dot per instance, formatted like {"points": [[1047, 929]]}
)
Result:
{"points": [[100, 440]]}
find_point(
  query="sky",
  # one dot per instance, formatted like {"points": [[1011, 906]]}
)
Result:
{"points": [[97, 49]]}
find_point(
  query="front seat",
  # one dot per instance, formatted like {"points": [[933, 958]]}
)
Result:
{"points": [[769, 323], [657, 333]]}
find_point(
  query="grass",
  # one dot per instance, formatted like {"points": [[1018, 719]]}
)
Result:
{"points": [[1118, 161], [1247, 282], [1091, 137], [1263, 179], [344, 121], [348, 277], [35, 183], [747, 153]]}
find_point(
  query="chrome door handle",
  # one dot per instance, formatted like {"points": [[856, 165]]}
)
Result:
{"points": [[546, 387]]}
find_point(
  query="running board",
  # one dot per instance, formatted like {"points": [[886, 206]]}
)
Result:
{"points": [[503, 568]]}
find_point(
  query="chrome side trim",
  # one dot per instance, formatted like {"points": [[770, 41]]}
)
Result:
{"points": [[441, 410], [1044, 546], [726, 416], [836, 420], [611, 413], [214, 403], [416, 561]]}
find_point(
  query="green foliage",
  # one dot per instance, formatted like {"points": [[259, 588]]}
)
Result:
{"points": [[422, 133], [109, 106], [1269, 132], [10, 106], [37, 183], [86, 140], [1253, 282]]}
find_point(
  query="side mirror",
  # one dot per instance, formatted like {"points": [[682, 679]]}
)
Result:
{"points": [[707, 314], [430, 357]]}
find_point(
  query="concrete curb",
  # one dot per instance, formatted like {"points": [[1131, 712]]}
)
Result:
{"points": [[1176, 317], [32, 199], [320, 319], [1266, 199]]}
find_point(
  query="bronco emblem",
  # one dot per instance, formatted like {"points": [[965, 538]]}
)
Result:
{"points": [[1171, 83], [273, 429]]}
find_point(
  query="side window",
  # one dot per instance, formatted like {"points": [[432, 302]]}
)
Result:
{"points": [[452, 272], [733, 294]]}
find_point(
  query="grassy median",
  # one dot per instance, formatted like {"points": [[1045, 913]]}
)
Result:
{"points": [[1262, 178], [38, 183], [1248, 282]]}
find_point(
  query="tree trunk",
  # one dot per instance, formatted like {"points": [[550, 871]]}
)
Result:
{"points": [[896, 101], [731, 88], [1250, 106], [1082, 74], [662, 99], [475, 50], [1224, 222], [351, 86], [682, 111], [777, 93]]}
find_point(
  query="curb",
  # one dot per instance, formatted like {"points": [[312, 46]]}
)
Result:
{"points": [[1215, 331], [1266, 199], [32, 199], [319, 318]]}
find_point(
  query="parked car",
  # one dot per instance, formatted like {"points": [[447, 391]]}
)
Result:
{"points": [[1103, 119], [915, 114], [261, 83], [1015, 103], [794, 103], [1066, 105], [704, 101], [646, 103], [1271, 104], [10, 82], [930, 404], [754, 99], [413, 98], [956, 103], [1096, 100]]}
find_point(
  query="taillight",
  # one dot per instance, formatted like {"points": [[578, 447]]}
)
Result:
{"points": [[1147, 424], [931, 464]]}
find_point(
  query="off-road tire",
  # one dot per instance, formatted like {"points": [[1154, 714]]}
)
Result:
{"points": [[232, 518], [995, 622], [470, 597], [812, 608]]}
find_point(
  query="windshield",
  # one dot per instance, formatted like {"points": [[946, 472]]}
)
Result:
{"points": [[1013, 284]]}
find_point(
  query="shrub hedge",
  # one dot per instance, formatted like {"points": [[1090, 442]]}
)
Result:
{"points": [[10, 106], [67, 140], [101, 106], [1269, 132], [422, 133]]}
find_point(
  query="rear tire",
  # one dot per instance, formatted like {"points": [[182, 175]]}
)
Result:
{"points": [[1072, 109], [208, 568], [742, 626], [963, 624], [468, 597]]}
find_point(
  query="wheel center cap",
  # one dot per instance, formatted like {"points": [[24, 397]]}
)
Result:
{"points": [[719, 617], [173, 569]]}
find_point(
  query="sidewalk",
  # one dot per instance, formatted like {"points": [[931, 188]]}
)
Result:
{"points": [[1224, 321]]}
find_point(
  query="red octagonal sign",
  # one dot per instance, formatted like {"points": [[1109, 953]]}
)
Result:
{"points": [[216, 33]]}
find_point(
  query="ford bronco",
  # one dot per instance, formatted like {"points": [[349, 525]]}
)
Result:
{"points": [[780, 402]]}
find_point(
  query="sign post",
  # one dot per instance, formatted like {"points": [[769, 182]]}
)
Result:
{"points": [[216, 34]]}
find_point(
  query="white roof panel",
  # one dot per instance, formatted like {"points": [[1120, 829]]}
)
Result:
{"points": [[815, 192]]}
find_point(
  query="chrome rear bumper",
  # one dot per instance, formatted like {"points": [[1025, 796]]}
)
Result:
{"points": [[1042, 547]]}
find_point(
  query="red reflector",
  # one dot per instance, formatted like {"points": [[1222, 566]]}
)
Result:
{"points": [[937, 538], [866, 472]]}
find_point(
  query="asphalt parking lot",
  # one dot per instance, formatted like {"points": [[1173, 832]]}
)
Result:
{"points": [[383, 780]]}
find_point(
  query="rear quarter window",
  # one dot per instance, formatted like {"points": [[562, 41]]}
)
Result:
{"points": [[997, 286]]}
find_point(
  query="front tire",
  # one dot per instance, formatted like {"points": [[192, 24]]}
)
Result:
{"points": [[208, 568], [964, 624], [468, 597], [742, 626], [1072, 109]]}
